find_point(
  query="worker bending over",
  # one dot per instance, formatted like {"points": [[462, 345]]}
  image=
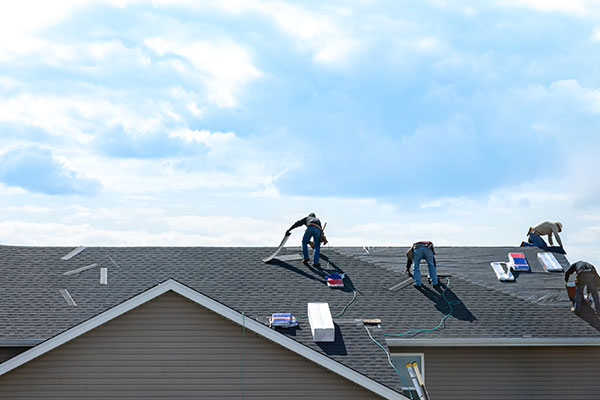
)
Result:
{"points": [[415, 254], [546, 228], [586, 276], [313, 231]]}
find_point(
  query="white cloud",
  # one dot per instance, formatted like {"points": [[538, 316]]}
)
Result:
{"points": [[574, 7], [448, 202], [223, 67], [78, 117], [37, 169], [211, 231], [559, 100], [22, 21], [217, 141], [428, 44], [29, 209], [328, 34], [596, 35], [321, 33]]}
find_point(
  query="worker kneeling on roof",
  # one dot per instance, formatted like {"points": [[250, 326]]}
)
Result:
{"points": [[546, 228], [415, 254], [313, 231], [586, 276]]}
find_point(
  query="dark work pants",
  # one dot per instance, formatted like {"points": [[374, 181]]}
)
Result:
{"points": [[586, 279]]}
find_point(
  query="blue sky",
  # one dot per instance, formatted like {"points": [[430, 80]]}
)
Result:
{"points": [[222, 122]]}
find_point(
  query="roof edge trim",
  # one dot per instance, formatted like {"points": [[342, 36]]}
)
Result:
{"points": [[212, 305], [496, 342]]}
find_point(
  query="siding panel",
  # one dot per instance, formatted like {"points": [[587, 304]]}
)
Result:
{"points": [[173, 348], [510, 373]]}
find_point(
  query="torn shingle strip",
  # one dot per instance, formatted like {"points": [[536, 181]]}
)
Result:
{"points": [[73, 253], [68, 298], [81, 269], [401, 285]]}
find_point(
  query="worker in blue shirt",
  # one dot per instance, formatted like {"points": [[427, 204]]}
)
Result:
{"points": [[314, 230]]}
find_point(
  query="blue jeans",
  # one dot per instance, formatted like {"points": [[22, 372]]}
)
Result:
{"points": [[418, 255], [536, 240], [314, 233]]}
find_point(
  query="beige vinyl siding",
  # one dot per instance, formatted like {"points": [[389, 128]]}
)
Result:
{"points": [[173, 348], [510, 373], [9, 352]]}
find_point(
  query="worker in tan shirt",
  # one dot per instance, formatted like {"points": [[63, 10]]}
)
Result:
{"points": [[545, 228]]}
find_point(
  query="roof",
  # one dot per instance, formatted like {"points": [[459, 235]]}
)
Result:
{"points": [[490, 312]]}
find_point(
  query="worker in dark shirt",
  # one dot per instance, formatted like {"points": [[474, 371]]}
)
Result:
{"points": [[586, 276], [313, 231]]}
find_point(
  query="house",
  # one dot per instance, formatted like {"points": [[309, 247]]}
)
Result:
{"points": [[192, 322]]}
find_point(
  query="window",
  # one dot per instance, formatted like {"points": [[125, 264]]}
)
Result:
{"points": [[400, 360]]}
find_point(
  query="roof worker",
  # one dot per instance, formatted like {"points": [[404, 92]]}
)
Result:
{"points": [[586, 276], [414, 255], [545, 228], [313, 231]]}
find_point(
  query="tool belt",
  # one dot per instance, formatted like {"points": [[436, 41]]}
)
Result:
{"points": [[322, 237], [419, 245]]}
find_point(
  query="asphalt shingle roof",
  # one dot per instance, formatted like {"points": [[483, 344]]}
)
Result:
{"points": [[32, 307]]}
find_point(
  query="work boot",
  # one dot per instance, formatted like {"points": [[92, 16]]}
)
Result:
{"points": [[305, 261], [317, 265]]}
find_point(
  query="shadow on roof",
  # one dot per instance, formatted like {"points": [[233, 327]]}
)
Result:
{"points": [[588, 315], [459, 310], [298, 271], [337, 348]]}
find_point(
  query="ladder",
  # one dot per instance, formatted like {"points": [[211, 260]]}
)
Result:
{"points": [[415, 375]]}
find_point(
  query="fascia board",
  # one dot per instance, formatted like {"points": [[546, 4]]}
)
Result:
{"points": [[495, 342], [214, 306]]}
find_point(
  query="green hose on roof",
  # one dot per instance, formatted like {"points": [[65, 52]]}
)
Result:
{"points": [[450, 304]]}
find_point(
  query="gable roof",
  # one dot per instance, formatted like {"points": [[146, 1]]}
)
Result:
{"points": [[215, 306], [489, 311]]}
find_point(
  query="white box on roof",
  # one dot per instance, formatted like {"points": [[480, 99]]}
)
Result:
{"points": [[321, 323], [549, 262]]}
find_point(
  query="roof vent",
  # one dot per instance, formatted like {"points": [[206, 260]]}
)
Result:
{"points": [[321, 323], [103, 276]]}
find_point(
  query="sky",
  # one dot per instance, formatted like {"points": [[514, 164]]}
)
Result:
{"points": [[220, 123]]}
